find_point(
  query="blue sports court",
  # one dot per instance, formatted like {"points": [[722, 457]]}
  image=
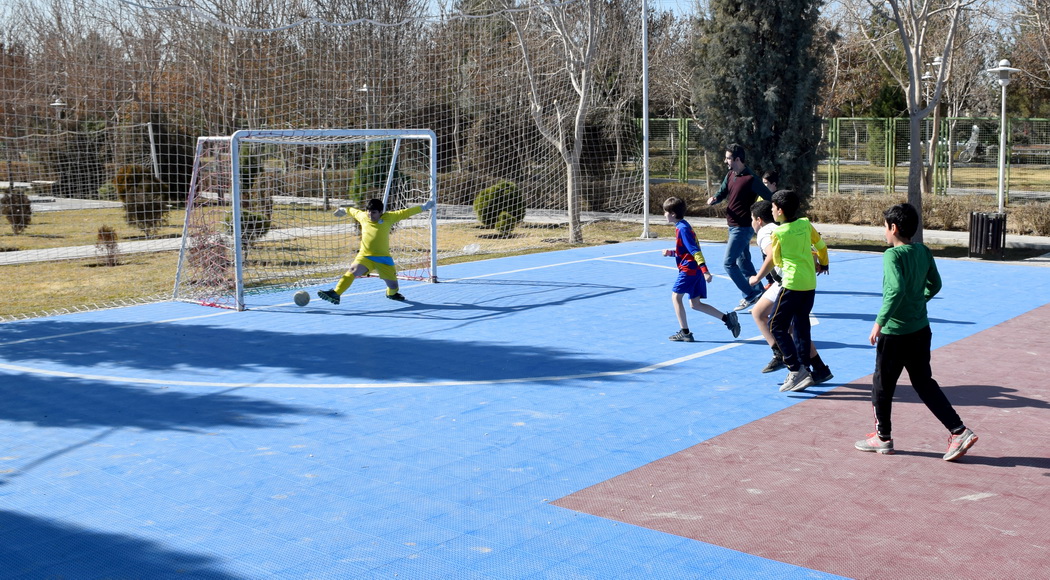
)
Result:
{"points": [[431, 438]]}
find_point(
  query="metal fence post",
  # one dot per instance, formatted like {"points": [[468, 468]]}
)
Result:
{"points": [[833, 155]]}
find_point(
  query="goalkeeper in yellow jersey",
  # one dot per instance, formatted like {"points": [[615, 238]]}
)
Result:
{"points": [[374, 253]]}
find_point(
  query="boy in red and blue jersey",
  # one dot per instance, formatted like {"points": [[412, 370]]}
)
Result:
{"points": [[693, 274]]}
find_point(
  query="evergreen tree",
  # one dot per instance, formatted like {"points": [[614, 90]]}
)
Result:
{"points": [[757, 84]]}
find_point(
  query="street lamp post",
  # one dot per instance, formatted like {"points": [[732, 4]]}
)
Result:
{"points": [[1005, 70], [59, 105], [364, 89]]}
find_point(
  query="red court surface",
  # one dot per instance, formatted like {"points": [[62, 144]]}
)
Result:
{"points": [[791, 487]]}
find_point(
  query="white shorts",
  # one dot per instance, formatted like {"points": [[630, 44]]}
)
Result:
{"points": [[772, 292]]}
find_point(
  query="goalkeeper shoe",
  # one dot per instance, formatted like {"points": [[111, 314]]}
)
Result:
{"points": [[328, 296], [396, 296]]}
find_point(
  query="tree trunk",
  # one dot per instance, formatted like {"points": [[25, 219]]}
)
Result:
{"points": [[929, 181], [572, 178], [915, 171]]}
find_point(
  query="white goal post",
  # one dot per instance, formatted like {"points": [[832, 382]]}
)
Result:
{"points": [[259, 213]]}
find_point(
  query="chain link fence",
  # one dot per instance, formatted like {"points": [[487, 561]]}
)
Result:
{"points": [[871, 155]]}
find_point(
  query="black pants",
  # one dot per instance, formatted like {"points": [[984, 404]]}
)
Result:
{"points": [[893, 354], [791, 313]]}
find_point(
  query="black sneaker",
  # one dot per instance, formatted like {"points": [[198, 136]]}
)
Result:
{"points": [[822, 375], [775, 364], [328, 296], [681, 336], [396, 296], [733, 323]]}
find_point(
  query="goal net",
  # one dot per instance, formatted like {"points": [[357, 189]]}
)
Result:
{"points": [[259, 214], [535, 105]]}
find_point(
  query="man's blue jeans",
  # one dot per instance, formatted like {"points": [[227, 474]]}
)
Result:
{"points": [[738, 260]]}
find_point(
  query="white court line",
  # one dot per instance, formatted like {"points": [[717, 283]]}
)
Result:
{"points": [[225, 312], [147, 381], [664, 266], [552, 378], [120, 327]]}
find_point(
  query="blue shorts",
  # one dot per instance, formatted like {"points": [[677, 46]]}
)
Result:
{"points": [[692, 285]]}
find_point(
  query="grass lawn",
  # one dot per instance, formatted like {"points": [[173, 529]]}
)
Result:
{"points": [[39, 288]]}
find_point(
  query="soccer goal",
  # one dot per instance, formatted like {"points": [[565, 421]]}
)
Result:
{"points": [[260, 204]]}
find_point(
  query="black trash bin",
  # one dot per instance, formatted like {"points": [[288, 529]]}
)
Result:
{"points": [[988, 234]]}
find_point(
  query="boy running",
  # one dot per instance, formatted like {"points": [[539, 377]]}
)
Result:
{"points": [[693, 274], [791, 249], [374, 253], [763, 223]]}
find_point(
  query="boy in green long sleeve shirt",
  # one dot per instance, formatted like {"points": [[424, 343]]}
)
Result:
{"points": [[902, 335]]}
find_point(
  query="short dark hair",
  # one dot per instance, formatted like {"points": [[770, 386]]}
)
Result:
{"points": [[374, 204], [763, 210], [771, 176], [737, 151], [675, 206], [788, 202], [905, 217]]}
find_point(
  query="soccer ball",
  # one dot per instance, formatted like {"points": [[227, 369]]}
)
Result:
{"points": [[302, 298]]}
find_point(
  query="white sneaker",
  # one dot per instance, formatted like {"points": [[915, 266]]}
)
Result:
{"points": [[797, 380], [746, 303]]}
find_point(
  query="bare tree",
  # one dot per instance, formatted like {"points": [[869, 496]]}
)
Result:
{"points": [[575, 29], [1032, 50], [912, 21]]}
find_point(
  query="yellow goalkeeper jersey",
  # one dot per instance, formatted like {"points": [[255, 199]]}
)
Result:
{"points": [[375, 236]]}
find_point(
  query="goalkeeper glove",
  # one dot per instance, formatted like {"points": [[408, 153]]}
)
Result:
{"points": [[428, 205], [824, 269], [339, 212]]}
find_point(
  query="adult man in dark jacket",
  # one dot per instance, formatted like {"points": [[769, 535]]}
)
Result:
{"points": [[741, 188]]}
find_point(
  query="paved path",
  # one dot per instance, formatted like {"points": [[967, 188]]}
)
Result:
{"points": [[459, 213]]}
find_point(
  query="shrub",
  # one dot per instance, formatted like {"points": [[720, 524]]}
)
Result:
{"points": [[1040, 215], [131, 179], [502, 197], [106, 250], [695, 199], [835, 208], [505, 224], [1031, 218], [145, 211], [254, 225], [18, 210], [143, 196], [951, 211]]}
